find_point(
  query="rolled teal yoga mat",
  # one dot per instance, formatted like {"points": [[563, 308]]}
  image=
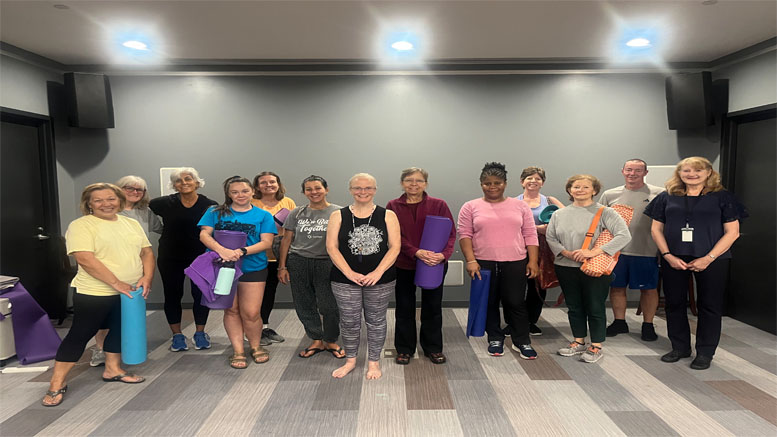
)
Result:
{"points": [[133, 328]]}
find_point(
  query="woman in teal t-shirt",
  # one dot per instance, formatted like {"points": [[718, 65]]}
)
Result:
{"points": [[238, 214]]}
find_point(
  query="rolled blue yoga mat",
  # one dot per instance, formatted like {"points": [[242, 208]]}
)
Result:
{"points": [[133, 328], [437, 231], [478, 305]]}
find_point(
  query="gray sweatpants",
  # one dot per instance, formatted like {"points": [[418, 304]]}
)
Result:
{"points": [[350, 299], [312, 293]]}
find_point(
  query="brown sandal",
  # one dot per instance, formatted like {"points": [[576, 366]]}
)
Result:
{"points": [[238, 361], [260, 355], [53, 394]]}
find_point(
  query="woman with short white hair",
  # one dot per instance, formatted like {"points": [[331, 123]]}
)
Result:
{"points": [[178, 247]]}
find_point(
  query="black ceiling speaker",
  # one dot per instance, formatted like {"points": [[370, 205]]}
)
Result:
{"points": [[89, 100], [689, 100]]}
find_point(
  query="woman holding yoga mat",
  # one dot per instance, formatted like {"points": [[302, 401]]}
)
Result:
{"points": [[411, 209], [532, 180], [238, 214], [497, 233], [269, 195], [179, 245], [304, 263], [585, 295], [114, 257], [136, 207], [363, 242]]}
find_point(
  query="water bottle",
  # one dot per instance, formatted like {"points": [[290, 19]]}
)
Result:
{"points": [[225, 278]]}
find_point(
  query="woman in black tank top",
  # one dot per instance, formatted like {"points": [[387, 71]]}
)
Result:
{"points": [[363, 241]]}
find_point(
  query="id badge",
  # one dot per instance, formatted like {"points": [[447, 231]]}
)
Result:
{"points": [[687, 235]]}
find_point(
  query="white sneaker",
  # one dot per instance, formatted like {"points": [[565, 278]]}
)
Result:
{"points": [[574, 348], [592, 354], [98, 357]]}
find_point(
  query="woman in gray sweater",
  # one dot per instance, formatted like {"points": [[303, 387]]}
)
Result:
{"points": [[585, 295]]}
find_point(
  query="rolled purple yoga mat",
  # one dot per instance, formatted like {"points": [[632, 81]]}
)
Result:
{"points": [[437, 231], [230, 240], [280, 216]]}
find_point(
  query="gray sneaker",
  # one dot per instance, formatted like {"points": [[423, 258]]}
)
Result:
{"points": [[572, 349], [269, 335], [592, 354], [98, 357]]}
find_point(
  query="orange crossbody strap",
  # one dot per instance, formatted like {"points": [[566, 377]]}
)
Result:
{"points": [[591, 229]]}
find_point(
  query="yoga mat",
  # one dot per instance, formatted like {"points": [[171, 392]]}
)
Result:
{"points": [[280, 216], [478, 304], [133, 327], [437, 231], [34, 335]]}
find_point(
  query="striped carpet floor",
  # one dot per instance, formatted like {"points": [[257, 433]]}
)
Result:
{"points": [[629, 392]]}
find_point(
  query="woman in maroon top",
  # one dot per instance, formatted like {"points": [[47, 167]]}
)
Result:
{"points": [[411, 209]]}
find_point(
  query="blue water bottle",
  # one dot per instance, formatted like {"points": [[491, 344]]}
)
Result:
{"points": [[225, 278], [133, 327]]}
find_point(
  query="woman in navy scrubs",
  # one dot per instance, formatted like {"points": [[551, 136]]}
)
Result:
{"points": [[695, 222]]}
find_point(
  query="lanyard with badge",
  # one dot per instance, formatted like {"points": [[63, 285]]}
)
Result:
{"points": [[687, 231]]}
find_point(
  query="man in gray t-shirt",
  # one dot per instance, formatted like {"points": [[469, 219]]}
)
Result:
{"points": [[637, 267]]}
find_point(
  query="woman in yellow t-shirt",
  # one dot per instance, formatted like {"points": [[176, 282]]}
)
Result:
{"points": [[114, 257], [269, 194]]}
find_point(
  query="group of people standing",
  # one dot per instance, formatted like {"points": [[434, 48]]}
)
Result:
{"points": [[342, 262]]}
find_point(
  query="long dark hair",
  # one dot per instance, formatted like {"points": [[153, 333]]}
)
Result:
{"points": [[278, 194], [223, 209]]}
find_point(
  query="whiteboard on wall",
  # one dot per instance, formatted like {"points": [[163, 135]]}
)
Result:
{"points": [[659, 174], [164, 180]]}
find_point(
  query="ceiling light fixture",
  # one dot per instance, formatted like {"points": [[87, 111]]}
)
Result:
{"points": [[638, 42], [136, 45], [402, 46]]}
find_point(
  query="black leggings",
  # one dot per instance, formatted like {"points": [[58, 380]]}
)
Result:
{"points": [[90, 314], [173, 279], [535, 299], [268, 301], [508, 285]]}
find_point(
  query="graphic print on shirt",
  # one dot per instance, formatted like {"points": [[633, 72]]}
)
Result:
{"points": [[248, 228], [313, 228], [365, 240]]}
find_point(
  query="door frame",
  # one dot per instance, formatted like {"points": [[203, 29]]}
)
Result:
{"points": [[48, 163], [728, 141]]}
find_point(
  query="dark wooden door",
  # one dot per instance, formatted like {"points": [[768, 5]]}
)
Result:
{"points": [[29, 228], [754, 264]]}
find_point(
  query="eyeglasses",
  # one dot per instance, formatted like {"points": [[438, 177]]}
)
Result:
{"points": [[362, 189], [131, 189], [414, 181]]}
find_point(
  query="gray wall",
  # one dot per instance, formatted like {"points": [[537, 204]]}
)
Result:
{"points": [[752, 82], [335, 126]]}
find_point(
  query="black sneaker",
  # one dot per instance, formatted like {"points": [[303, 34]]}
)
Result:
{"points": [[534, 329], [648, 332], [618, 326], [701, 362], [674, 356]]}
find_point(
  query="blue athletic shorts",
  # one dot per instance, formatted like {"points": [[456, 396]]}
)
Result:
{"points": [[636, 272]]}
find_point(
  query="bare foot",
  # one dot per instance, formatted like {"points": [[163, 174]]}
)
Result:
{"points": [[373, 370], [349, 365]]}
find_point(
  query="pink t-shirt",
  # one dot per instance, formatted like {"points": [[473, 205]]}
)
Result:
{"points": [[499, 231]]}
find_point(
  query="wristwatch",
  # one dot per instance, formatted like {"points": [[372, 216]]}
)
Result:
{"points": [[244, 250]]}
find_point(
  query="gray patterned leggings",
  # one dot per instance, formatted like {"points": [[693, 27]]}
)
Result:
{"points": [[350, 299]]}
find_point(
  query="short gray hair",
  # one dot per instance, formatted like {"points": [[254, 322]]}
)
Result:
{"points": [[410, 170], [176, 175], [139, 181]]}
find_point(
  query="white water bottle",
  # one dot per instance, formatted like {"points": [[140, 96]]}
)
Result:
{"points": [[225, 278]]}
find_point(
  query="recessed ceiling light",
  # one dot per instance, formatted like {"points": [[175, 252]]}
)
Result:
{"points": [[402, 46], [638, 42], [136, 45], [59, 6], [709, 2]]}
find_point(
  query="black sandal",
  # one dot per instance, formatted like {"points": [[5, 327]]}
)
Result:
{"points": [[54, 394], [403, 359], [436, 357]]}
